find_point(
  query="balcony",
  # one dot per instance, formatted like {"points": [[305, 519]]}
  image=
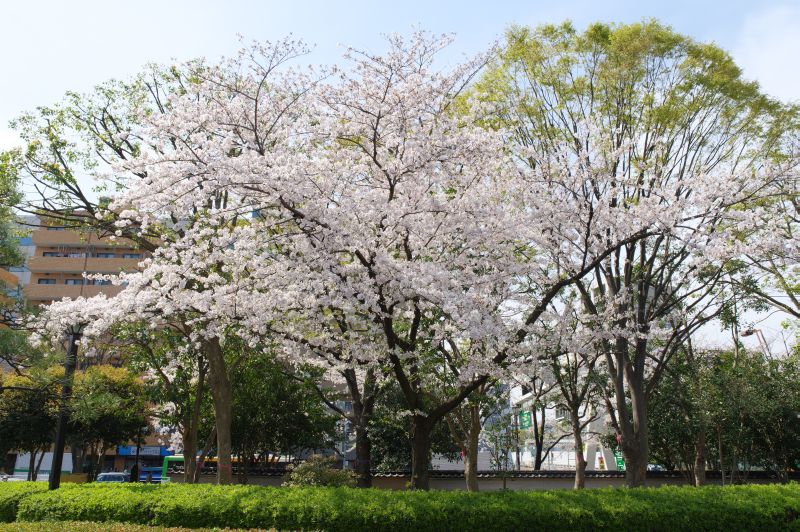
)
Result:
{"points": [[80, 265], [43, 237], [50, 292]]}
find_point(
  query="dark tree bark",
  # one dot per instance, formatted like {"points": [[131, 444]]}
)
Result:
{"points": [[191, 426], [700, 451], [363, 409], [222, 396], [580, 459], [471, 454], [363, 457], [420, 452]]}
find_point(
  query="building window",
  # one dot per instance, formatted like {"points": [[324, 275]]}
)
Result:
{"points": [[46, 281], [101, 282], [76, 255], [54, 228], [74, 281], [562, 412], [131, 255], [105, 255], [52, 254]]}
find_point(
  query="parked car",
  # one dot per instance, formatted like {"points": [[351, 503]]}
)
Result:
{"points": [[113, 477]]}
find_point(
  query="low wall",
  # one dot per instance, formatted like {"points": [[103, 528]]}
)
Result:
{"points": [[522, 480]]}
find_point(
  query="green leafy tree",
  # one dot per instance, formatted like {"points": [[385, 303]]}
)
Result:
{"points": [[28, 414], [108, 408], [662, 107], [176, 381], [737, 411], [390, 434], [275, 414]]}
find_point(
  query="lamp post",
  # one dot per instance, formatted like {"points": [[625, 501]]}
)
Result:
{"points": [[762, 341], [63, 413]]}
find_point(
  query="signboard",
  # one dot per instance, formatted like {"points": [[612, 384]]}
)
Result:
{"points": [[620, 461], [145, 450], [525, 419]]}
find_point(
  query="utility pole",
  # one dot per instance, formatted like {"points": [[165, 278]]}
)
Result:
{"points": [[516, 438], [63, 412]]}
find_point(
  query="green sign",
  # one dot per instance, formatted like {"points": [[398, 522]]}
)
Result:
{"points": [[620, 461], [525, 420]]}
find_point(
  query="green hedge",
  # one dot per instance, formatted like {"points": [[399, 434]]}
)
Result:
{"points": [[671, 508], [73, 526], [13, 492]]}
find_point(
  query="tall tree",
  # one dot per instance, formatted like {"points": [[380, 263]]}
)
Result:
{"points": [[28, 413], [108, 408], [684, 136]]}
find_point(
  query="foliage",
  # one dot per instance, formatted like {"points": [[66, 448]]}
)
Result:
{"points": [[747, 404], [84, 526], [616, 163], [319, 470], [10, 254], [753, 507], [502, 438], [274, 412], [108, 408], [389, 432], [10, 495], [675, 122], [28, 413], [175, 374]]}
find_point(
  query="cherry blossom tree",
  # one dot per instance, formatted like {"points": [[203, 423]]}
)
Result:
{"points": [[377, 202], [374, 218], [682, 146]]}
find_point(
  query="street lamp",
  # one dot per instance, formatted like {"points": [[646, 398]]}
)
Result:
{"points": [[74, 333], [762, 342]]}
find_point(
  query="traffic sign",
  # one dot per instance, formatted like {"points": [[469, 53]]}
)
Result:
{"points": [[525, 419]]}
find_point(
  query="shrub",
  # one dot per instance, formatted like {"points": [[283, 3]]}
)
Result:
{"points": [[319, 471], [750, 507], [11, 493], [73, 526]]}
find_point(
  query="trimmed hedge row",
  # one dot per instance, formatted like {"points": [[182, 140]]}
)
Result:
{"points": [[13, 492], [72, 526], [749, 507]]}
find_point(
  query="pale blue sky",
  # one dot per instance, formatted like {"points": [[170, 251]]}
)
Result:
{"points": [[49, 47]]}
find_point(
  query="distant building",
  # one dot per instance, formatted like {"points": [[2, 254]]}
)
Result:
{"points": [[58, 258], [56, 262]]}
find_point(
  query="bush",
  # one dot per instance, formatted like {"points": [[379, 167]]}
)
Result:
{"points": [[13, 492], [319, 471], [72, 526], [750, 507]]}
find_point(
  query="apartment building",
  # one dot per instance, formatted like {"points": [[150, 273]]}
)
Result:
{"points": [[58, 258]]}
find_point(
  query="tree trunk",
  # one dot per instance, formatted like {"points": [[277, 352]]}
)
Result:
{"points": [[635, 464], [32, 466], [580, 459], [363, 456], [222, 396], [76, 448], [203, 453], [633, 430], [363, 409], [192, 426], [39, 465], [189, 455], [471, 454], [420, 453], [699, 469]]}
